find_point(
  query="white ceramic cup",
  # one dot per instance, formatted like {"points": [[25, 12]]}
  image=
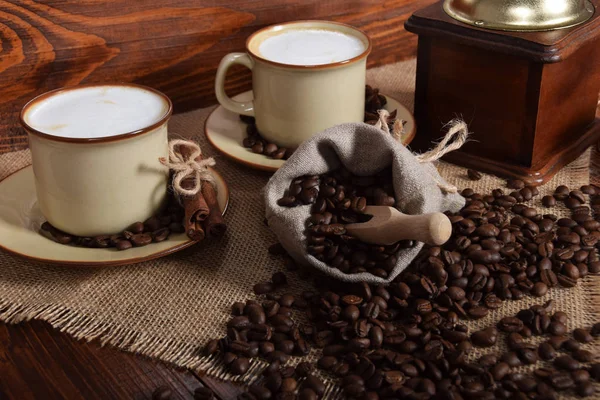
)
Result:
{"points": [[97, 186], [293, 102]]}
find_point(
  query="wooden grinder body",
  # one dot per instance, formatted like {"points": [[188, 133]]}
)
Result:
{"points": [[530, 98]]}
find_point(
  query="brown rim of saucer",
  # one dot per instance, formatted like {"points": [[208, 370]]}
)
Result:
{"points": [[115, 138], [120, 262], [364, 54]]}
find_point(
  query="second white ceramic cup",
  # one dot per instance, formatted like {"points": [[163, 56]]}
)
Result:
{"points": [[293, 102]]}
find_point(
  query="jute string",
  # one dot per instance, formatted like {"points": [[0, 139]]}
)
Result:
{"points": [[457, 135], [168, 308], [185, 165]]}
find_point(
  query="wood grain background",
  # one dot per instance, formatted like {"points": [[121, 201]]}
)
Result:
{"points": [[172, 45]]}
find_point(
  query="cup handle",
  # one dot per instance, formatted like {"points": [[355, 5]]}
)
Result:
{"points": [[238, 107]]}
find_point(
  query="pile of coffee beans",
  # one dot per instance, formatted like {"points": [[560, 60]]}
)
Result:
{"points": [[374, 101], [398, 342], [409, 339], [340, 198], [155, 229]]}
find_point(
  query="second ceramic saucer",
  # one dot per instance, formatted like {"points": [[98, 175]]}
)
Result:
{"points": [[225, 131]]}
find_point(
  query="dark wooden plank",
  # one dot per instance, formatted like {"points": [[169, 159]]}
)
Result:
{"points": [[172, 45], [38, 362], [222, 389]]}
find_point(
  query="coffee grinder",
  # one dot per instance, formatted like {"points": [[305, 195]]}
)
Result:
{"points": [[524, 74]]}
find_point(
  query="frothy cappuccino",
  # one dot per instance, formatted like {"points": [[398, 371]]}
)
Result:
{"points": [[310, 47], [97, 111]]}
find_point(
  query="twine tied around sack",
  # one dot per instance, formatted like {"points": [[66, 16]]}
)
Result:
{"points": [[186, 163], [457, 135], [397, 128]]}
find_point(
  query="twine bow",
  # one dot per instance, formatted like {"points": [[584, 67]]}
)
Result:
{"points": [[184, 160], [457, 135]]}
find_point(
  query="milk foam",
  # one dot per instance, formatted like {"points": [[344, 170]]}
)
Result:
{"points": [[310, 47], [95, 112]]}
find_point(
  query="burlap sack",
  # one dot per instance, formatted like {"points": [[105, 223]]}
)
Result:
{"points": [[363, 150]]}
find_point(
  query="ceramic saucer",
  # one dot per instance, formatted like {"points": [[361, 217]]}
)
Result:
{"points": [[21, 218], [225, 131]]}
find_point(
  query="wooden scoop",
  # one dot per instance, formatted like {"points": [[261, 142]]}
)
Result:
{"points": [[389, 225]]}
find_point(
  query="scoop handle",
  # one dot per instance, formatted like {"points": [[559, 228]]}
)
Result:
{"points": [[433, 228]]}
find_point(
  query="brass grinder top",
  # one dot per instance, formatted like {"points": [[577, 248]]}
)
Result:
{"points": [[520, 15]]}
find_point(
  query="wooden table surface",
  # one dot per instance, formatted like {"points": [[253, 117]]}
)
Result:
{"points": [[39, 362]]}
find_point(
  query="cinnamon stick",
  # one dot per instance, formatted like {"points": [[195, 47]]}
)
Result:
{"points": [[195, 208], [195, 231], [214, 225]]}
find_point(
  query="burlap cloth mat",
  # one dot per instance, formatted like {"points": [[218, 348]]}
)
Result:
{"points": [[168, 308]]}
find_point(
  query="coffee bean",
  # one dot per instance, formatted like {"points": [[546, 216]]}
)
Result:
{"points": [[160, 235], [289, 385], [327, 362], [571, 271], [258, 148], [571, 345], [123, 245], [256, 314], [500, 370], [263, 288], [473, 175], [585, 389], [316, 384], [511, 359], [582, 335], [527, 384], [141, 239], [561, 380], [488, 360], [485, 338], [548, 201], [240, 366], [478, 312], [566, 281], [546, 351], [580, 375], [303, 369], [583, 355], [548, 277], [211, 347], [560, 317], [527, 356], [307, 394], [557, 341], [539, 289], [572, 203], [510, 324], [567, 362], [557, 328]]}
